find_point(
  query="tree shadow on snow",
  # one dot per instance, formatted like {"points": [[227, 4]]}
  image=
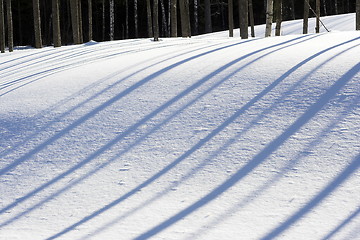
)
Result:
{"points": [[261, 157], [217, 191], [331, 187], [65, 60], [293, 161], [285, 169], [196, 147], [185, 155], [82, 103], [89, 115], [149, 181], [343, 224]]}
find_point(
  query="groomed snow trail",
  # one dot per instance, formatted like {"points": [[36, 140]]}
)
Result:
{"points": [[202, 138]]}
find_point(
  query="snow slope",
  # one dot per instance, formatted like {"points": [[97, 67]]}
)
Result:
{"points": [[202, 138]]}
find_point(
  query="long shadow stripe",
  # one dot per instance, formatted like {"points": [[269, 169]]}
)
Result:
{"points": [[342, 177], [93, 97], [343, 224], [198, 145], [168, 189], [97, 110], [259, 158], [292, 163], [189, 152]]}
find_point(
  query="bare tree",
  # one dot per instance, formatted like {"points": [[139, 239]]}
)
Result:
{"points": [[317, 28], [56, 23], [156, 19], [357, 14], [37, 23], [2, 27], [269, 17], [10, 26], [324, 7], [149, 19], [231, 17], [292, 6], [185, 18], [136, 25], [19, 18], [243, 19], [251, 18], [75, 21], [306, 17], [208, 23], [80, 21], [196, 17], [126, 19], [103, 19], [163, 19], [173, 22], [278, 16], [90, 20], [112, 20]]}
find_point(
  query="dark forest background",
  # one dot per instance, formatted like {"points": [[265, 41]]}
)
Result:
{"points": [[23, 24]]}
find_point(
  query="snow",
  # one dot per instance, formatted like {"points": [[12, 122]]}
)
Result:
{"points": [[204, 138]]}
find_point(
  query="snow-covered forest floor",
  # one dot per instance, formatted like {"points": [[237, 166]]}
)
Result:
{"points": [[203, 138]]}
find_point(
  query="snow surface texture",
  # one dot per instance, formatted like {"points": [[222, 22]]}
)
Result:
{"points": [[203, 138]]}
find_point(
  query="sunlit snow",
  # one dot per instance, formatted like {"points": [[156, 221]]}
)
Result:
{"points": [[204, 138]]}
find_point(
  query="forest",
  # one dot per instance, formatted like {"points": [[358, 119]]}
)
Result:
{"points": [[61, 22]]}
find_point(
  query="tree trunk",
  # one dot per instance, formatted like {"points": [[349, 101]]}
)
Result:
{"points": [[231, 17], [20, 33], [37, 23], [156, 19], [306, 17], [80, 21], [126, 19], [75, 21], [293, 9], [103, 20], [2, 27], [243, 19], [336, 7], [251, 17], [324, 7], [112, 20], [10, 26], [173, 13], [278, 17], [149, 19], [136, 19], [56, 23], [196, 17], [222, 14], [208, 23], [357, 14], [185, 21], [90, 21], [66, 26], [187, 8], [269, 17], [163, 19], [317, 28]]}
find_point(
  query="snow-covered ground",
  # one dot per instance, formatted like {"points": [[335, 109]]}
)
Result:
{"points": [[203, 138]]}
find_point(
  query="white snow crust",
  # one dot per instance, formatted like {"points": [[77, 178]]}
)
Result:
{"points": [[204, 138]]}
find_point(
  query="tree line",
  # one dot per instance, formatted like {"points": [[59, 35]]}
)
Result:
{"points": [[61, 22]]}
